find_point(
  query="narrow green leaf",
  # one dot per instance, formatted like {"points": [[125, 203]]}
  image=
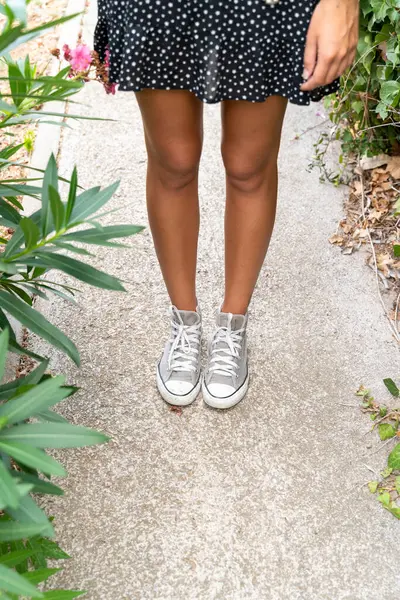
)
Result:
{"points": [[31, 457], [70, 247], [392, 387], [56, 292], [31, 232], [21, 293], [50, 179], [90, 201], [37, 559], [96, 236], [50, 416], [11, 559], [51, 549], [34, 321], [36, 399], [71, 195], [9, 495], [10, 530], [4, 337], [10, 189], [9, 213], [80, 270], [53, 435], [17, 83], [8, 389], [8, 268], [17, 349], [57, 208], [29, 512], [13, 582], [5, 324], [40, 575], [40, 486]]}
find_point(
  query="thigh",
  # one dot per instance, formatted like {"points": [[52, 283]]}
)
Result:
{"points": [[173, 125], [251, 132]]}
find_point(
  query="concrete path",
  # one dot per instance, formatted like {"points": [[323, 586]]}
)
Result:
{"points": [[260, 502]]}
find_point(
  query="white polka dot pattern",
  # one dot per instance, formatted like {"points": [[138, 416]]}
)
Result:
{"points": [[218, 49]]}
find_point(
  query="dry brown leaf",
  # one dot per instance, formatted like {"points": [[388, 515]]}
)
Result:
{"points": [[383, 262], [360, 234], [357, 186], [393, 167], [336, 239], [347, 227], [386, 185], [382, 203], [376, 215]]}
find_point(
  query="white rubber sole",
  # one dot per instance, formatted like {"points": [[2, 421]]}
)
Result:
{"points": [[173, 399], [228, 401]]}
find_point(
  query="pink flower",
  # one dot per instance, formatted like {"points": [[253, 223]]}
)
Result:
{"points": [[67, 52], [107, 57], [80, 58], [110, 88]]}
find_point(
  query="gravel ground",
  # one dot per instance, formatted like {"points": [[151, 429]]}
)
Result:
{"points": [[261, 502]]}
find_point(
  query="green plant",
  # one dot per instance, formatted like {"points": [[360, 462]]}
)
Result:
{"points": [[366, 110], [38, 244], [387, 422]]}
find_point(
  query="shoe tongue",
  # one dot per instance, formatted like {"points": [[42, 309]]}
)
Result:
{"points": [[237, 321], [189, 317]]}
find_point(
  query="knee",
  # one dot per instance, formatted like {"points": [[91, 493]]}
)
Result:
{"points": [[247, 174], [178, 167]]}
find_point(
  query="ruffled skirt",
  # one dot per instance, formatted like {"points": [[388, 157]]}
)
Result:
{"points": [[218, 49]]}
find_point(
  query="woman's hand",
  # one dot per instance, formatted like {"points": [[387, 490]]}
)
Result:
{"points": [[331, 42]]}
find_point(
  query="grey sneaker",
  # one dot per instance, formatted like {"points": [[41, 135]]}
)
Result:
{"points": [[178, 371], [226, 378]]}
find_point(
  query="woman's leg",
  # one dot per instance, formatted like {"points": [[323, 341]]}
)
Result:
{"points": [[250, 146], [173, 127]]}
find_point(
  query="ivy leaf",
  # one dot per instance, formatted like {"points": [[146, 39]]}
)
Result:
{"points": [[390, 92], [384, 498], [386, 431], [386, 472], [392, 387], [394, 458]]}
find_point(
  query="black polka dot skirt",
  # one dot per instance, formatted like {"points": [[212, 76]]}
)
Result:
{"points": [[218, 49]]}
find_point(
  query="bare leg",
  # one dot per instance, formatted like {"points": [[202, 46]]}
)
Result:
{"points": [[250, 146], [173, 127]]}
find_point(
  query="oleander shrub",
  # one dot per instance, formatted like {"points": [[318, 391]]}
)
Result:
{"points": [[55, 237]]}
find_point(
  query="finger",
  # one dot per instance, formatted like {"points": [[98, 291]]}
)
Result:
{"points": [[310, 56], [341, 68], [318, 77], [335, 71]]}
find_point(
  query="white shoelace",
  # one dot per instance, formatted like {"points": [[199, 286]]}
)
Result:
{"points": [[223, 360], [183, 355]]}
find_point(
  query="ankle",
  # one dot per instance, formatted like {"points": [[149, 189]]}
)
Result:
{"points": [[186, 304], [235, 307]]}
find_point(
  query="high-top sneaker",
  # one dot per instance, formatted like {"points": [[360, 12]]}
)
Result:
{"points": [[226, 378], [178, 371]]}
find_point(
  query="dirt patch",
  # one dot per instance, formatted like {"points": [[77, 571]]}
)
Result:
{"points": [[373, 220]]}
